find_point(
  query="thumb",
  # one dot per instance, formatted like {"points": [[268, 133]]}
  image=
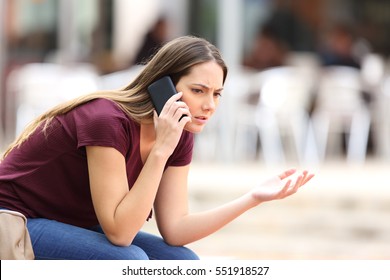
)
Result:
{"points": [[155, 118]]}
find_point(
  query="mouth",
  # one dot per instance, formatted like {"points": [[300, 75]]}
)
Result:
{"points": [[201, 119]]}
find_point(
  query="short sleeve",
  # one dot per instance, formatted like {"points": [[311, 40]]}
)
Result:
{"points": [[102, 123], [183, 153]]}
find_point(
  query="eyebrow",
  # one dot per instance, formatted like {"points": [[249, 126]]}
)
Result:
{"points": [[208, 87]]}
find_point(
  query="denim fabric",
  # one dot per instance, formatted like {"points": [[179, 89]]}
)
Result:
{"points": [[59, 241]]}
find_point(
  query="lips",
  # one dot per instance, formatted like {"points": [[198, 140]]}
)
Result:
{"points": [[201, 119]]}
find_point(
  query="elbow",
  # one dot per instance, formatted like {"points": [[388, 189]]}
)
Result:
{"points": [[174, 243], [120, 243], [174, 240], [125, 241], [121, 240], [174, 234]]}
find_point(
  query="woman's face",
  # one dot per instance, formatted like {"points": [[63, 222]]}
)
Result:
{"points": [[201, 89]]}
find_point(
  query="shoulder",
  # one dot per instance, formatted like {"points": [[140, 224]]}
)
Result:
{"points": [[101, 106], [183, 152], [186, 142], [187, 138], [101, 122], [99, 112]]}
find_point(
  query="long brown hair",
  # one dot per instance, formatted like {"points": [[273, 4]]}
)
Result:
{"points": [[175, 59]]}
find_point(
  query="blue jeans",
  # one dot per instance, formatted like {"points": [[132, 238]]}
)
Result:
{"points": [[53, 240]]}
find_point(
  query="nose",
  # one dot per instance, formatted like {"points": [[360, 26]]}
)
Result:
{"points": [[209, 103]]}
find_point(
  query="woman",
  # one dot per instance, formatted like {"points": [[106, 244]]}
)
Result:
{"points": [[87, 173]]}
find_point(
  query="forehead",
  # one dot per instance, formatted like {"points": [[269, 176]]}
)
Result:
{"points": [[209, 73]]}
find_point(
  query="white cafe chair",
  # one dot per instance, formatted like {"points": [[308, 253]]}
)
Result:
{"points": [[282, 114], [341, 110], [224, 137], [381, 121], [34, 88]]}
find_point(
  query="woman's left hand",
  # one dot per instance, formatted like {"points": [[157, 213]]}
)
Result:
{"points": [[280, 186]]}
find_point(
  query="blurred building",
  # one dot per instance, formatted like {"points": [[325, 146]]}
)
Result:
{"points": [[108, 33]]}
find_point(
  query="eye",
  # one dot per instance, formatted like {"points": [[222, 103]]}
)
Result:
{"points": [[197, 90], [217, 94]]}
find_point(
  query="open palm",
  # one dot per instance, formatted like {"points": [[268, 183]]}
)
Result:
{"points": [[280, 186]]}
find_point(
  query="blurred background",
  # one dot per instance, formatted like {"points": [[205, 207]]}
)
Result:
{"points": [[308, 87]]}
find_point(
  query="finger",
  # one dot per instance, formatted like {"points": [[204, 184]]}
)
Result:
{"points": [[180, 103], [172, 100], [155, 117], [285, 188], [176, 97], [308, 178], [287, 173], [178, 109], [183, 120], [300, 180], [182, 112], [305, 177]]}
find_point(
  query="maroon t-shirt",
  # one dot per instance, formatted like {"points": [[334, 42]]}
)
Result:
{"points": [[48, 175]]}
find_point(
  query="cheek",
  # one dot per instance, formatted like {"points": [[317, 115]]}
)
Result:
{"points": [[216, 102], [191, 102]]}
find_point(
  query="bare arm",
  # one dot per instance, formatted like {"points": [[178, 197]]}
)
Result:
{"points": [[122, 212], [178, 227]]}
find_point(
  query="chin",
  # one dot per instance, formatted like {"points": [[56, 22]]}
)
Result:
{"points": [[193, 128]]}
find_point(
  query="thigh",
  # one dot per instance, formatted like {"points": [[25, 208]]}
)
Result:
{"points": [[55, 240], [157, 249]]}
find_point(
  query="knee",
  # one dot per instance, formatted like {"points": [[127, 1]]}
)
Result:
{"points": [[125, 253], [188, 254], [157, 249], [182, 253]]}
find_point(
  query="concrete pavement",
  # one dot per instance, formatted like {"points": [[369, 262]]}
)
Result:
{"points": [[343, 213]]}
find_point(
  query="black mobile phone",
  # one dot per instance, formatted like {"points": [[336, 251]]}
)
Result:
{"points": [[160, 91]]}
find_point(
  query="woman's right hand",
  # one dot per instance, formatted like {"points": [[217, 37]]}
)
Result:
{"points": [[170, 123]]}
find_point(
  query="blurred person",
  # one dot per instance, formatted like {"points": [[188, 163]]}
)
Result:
{"points": [[153, 40], [87, 173], [338, 49], [289, 23], [269, 50]]}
